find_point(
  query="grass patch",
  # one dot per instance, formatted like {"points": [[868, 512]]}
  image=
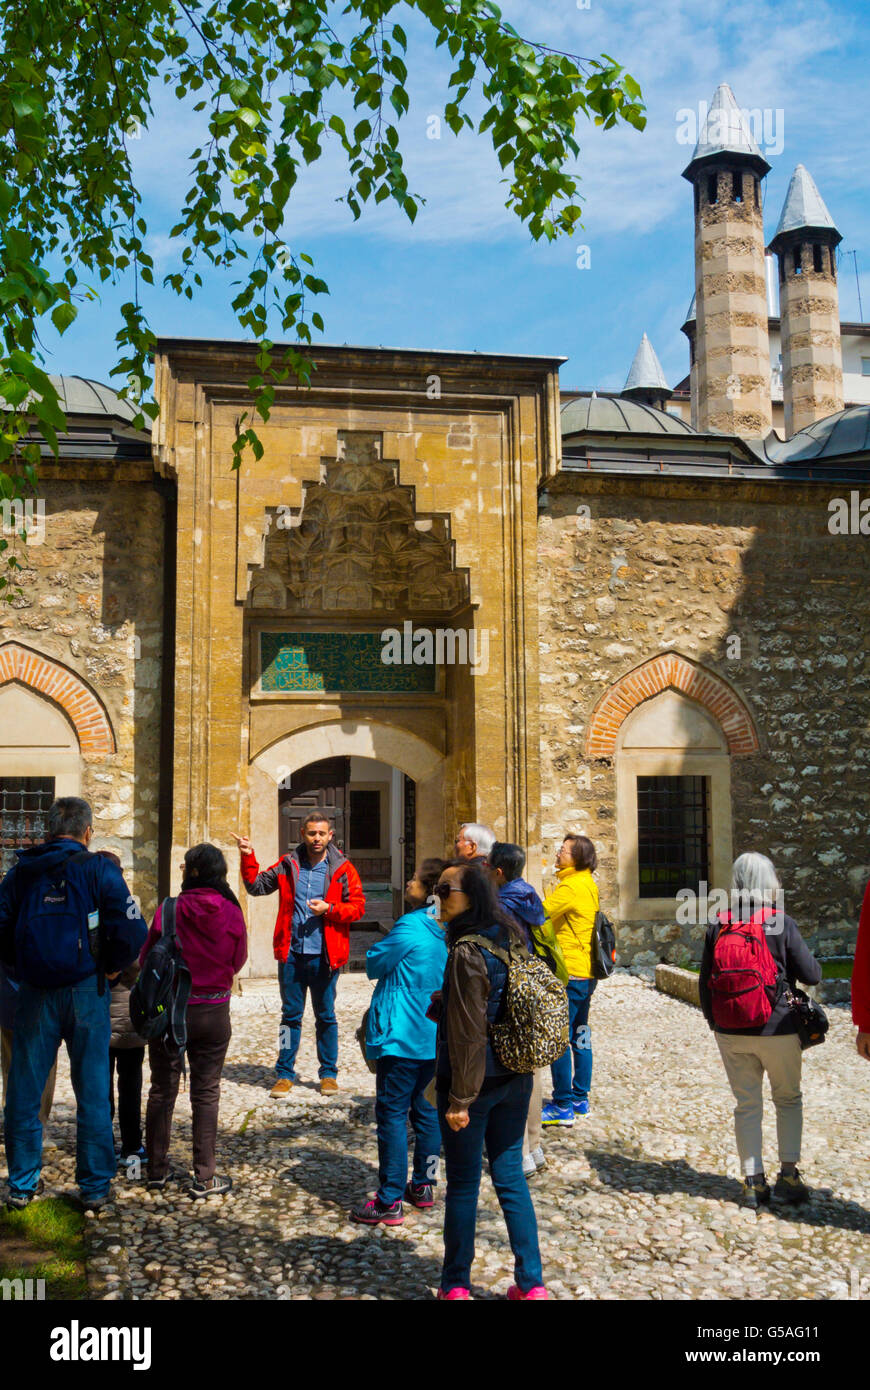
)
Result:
{"points": [[245, 1122], [45, 1241], [831, 969], [837, 969]]}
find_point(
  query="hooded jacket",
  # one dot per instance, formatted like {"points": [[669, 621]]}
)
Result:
{"points": [[213, 939], [408, 964], [99, 882], [522, 902], [343, 892], [571, 908]]}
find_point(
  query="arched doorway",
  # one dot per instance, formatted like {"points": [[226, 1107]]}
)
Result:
{"points": [[383, 785]]}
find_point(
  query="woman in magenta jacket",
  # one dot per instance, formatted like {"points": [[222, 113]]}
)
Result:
{"points": [[211, 934]]}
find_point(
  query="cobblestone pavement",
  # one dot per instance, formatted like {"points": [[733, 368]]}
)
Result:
{"points": [[638, 1201]]}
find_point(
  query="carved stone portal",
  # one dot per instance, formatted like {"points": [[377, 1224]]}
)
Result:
{"points": [[356, 543]]}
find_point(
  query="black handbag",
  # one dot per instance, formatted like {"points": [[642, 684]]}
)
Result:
{"points": [[603, 947], [811, 1020]]}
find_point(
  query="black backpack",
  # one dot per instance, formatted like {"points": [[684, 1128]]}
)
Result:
{"points": [[603, 947], [158, 1000]]}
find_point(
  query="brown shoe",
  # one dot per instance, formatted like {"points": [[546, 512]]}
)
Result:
{"points": [[328, 1086], [283, 1086]]}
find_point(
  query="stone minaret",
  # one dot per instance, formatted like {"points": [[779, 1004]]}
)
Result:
{"points": [[812, 360], [732, 352], [646, 380]]}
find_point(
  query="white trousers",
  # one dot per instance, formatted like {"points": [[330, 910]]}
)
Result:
{"points": [[746, 1059]]}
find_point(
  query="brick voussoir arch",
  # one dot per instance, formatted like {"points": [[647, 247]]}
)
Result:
{"points": [[674, 672], [65, 688]]}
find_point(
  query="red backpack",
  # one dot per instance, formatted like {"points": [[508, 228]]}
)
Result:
{"points": [[745, 976]]}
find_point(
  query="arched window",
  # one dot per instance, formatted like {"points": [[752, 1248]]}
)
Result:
{"points": [[40, 759], [673, 806], [671, 728]]}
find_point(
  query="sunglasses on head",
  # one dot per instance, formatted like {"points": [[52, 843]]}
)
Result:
{"points": [[443, 890]]}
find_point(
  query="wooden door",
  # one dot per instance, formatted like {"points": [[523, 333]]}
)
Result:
{"points": [[321, 786]]}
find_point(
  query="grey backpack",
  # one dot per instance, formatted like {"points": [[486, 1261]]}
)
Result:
{"points": [[533, 1029]]}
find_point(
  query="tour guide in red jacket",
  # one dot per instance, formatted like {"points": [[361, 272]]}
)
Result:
{"points": [[320, 894]]}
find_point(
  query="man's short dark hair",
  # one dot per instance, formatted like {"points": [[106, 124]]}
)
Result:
{"points": [[69, 815], [316, 816], [511, 859]]}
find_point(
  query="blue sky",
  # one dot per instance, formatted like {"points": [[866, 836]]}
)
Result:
{"points": [[466, 275]]}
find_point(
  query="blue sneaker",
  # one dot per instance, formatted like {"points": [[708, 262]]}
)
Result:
{"points": [[552, 1114], [581, 1107]]}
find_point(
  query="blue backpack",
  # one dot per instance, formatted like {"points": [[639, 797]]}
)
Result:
{"points": [[57, 935]]}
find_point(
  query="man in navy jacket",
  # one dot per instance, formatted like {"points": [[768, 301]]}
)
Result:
{"points": [[58, 906]]}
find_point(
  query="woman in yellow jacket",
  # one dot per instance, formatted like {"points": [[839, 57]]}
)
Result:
{"points": [[571, 908]]}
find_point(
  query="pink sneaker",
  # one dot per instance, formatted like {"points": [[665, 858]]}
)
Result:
{"points": [[514, 1292], [453, 1294]]}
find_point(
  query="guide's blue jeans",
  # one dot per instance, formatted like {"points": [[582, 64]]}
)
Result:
{"points": [[296, 976], [400, 1083], [78, 1016], [565, 1091], [497, 1122]]}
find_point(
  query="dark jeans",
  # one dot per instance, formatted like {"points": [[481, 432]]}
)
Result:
{"points": [[128, 1062], [497, 1121], [296, 976], [208, 1037], [400, 1084], [565, 1090], [78, 1016]]}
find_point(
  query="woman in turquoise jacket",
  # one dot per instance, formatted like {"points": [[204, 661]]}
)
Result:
{"points": [[408, 965]]}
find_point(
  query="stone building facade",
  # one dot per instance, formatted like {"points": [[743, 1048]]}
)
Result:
{"points": [[444, 594]]}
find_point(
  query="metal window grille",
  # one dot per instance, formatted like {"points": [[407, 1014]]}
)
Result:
{"points": [[24, 803], [672, 834]]}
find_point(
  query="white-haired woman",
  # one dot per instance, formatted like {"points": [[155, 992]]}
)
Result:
{"points": [[748, 953]]}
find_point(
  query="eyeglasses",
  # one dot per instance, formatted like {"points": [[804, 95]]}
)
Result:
{"points": [[443, 890]]}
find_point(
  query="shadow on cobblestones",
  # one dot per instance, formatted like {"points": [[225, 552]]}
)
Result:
{"points": [[379, 1265], [619, 1170]]}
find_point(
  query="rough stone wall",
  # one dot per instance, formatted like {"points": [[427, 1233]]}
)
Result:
{"points": [[92, 599], [689, 567]]}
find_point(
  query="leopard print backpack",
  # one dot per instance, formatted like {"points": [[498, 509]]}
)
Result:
{"points": [[534, 1027]]}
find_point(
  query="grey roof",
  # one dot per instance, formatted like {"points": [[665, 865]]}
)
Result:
{"points": [[725, 131], [804, 208], [847, 432], [646, 370], [615, 415], [80, 395], [692, 313]]}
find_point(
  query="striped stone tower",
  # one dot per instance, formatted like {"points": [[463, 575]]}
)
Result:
{"points": [[732, 351], [812, 360]]}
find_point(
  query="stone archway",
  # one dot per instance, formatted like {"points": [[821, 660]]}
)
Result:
{"points": [[670, 670], [385, 743], [64, 688]]}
